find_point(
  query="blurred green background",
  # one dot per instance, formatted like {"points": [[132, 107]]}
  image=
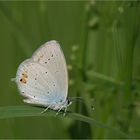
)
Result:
{"points": [[101, 43]]}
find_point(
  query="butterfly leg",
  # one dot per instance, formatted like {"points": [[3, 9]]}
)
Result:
{"points": [[45, 109], [59, 111], [65, 110]]}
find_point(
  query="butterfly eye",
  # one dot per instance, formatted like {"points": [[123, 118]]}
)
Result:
{"points": [[69, 102]]}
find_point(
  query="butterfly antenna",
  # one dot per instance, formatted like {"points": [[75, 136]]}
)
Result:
{"points": [[81, 100], [77, 99]]}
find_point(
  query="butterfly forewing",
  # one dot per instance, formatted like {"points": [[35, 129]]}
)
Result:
{"points": [[51, 57]]}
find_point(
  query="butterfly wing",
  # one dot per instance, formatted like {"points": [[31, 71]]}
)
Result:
{"points": [[43, 78], [52, 58]]}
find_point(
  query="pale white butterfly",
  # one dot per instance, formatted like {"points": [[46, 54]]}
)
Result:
{"points": [[43, 79]]}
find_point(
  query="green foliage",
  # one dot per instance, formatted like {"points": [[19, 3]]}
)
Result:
{"points": [[101, 43], [24, 111]]}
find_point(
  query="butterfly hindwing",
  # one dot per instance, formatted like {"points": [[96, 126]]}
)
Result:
{"points": [[33, 85]]}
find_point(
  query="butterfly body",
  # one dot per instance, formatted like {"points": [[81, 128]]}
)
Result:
{"points": [[43, 79]]}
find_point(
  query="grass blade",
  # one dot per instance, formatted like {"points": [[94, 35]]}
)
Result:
{"points": [[26, 111]]}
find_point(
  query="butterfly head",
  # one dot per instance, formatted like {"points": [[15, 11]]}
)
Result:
{"points": [[69, 102]]}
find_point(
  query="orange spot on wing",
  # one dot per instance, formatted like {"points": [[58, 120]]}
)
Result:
{"points": [[41, 56], [23, 80], [24, 75]]}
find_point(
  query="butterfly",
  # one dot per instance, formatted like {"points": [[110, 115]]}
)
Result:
{"points": [[43, 78]]}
